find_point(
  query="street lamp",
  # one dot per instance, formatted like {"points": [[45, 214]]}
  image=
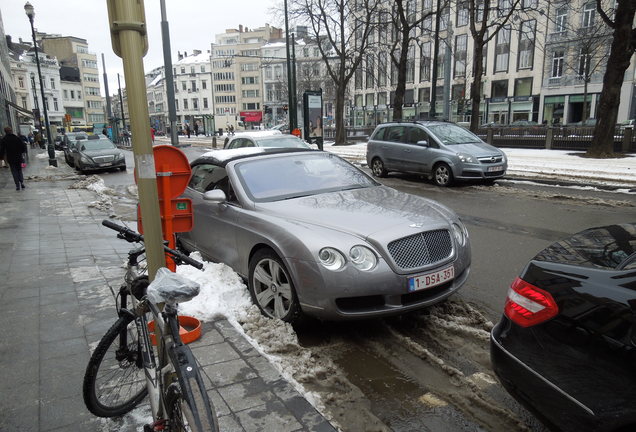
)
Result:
{"points": [[30, 12]]}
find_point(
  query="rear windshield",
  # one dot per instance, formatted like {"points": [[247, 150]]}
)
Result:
{"points": [[450, 134]]}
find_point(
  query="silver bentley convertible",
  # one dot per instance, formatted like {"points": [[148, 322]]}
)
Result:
{"points": [[312, 234]]}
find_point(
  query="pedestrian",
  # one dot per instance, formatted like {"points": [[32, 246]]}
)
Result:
{"points": [[14, 148], [105, 131], [232, 129], [152, 134], [31, 140], [188, 130], [196, 129]]}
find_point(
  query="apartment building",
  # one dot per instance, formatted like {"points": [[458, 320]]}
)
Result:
{"points": [[73, 51], [10, 110], [236, 76], [193, 91], [534, 67]]}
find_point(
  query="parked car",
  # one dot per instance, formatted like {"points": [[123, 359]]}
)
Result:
{"points": [[313, 234], [58, 142], [69, 142], [566, 345], [587, 123], [268, 138], [283, 127], [442, 151], [97, 153]]}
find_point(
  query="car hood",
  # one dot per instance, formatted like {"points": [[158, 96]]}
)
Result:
{"points": [[104, 152], [379, 213], [605, 247], [476, 149]]}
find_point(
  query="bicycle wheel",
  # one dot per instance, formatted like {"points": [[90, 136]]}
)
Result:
{"points": [[114, 382], [189, 411]]}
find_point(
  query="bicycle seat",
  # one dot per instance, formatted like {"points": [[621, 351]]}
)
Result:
{"points": [[171, 288]]}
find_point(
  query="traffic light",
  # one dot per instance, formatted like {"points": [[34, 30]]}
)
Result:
{"points": [[285, 108]]}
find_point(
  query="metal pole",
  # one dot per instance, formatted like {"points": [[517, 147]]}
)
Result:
{"points": [[167, 67], [128, 33], [121, 104], [294, 106], [109, 111], [290, 99], [432, 112], [50, 147], [447, 72]]}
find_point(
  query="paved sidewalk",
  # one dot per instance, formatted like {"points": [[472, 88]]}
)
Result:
{"points": [[56, 262]]}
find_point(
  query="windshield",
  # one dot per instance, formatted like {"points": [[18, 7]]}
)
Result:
{"points": [[282, 141], [298, 175], [100, 144], [453, 134]]}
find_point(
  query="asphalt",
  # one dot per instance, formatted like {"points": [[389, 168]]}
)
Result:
{"points": [[56, 265]]}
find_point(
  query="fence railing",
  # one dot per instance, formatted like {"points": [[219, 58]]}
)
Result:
{"points": [[555, 138]]}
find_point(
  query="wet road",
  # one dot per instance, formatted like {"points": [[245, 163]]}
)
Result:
{"points": [[430, 371]]}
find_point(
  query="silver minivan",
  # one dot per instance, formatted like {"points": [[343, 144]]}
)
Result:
{"points": [[442, 151]]}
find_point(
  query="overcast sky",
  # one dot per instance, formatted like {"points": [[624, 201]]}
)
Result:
{"points": [[193, 25]]}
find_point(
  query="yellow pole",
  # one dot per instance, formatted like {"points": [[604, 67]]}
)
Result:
{"points": [[129, 40]]}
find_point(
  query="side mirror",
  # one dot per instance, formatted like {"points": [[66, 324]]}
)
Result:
{"points": [[215, 196], [83, 148], [422, 143]]}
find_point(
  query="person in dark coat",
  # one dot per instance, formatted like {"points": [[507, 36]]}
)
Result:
{"points": [[13, 147]]}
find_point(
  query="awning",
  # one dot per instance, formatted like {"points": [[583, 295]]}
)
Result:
{"points": [[252, 116], [19, 108]]}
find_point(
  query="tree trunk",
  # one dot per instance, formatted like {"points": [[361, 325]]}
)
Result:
{"points": [[620, 54], [475, 86], [400, 89], [341, 132]]}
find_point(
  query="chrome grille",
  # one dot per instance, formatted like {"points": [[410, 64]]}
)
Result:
{"points": [[421, 249], [490, 159], [102, 159]]}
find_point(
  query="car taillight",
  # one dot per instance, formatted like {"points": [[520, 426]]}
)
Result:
{"points": [[528, 305]]}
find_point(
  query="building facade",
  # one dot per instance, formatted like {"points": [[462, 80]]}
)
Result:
{"points": [[534, 67], [73, 51]]}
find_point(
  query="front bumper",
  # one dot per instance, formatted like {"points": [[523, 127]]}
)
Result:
{"points": [[479, 172], [102, 166]]}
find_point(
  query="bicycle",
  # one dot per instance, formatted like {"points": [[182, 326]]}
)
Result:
{"points": [[125, 367]]}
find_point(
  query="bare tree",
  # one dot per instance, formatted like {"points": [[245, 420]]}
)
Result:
{"points": [[486, 18], [341, 31], [406, 31], [621, 51]]}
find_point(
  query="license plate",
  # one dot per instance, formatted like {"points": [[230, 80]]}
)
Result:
{"points": [[431, 280], [105, 164], [495, 168]]}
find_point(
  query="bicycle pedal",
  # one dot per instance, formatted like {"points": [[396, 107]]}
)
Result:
{"points": [[157, 426]]}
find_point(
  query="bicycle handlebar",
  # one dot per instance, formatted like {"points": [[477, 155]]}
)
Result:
{"points": [[134, 237]]}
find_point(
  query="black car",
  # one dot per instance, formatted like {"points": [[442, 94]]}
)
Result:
{"points": [[97, 153], [68, 145], [566, 345]]}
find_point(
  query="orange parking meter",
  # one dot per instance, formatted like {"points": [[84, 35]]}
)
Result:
{"points": [[173, 174]]}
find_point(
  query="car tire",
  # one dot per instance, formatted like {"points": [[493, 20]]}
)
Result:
{"points": [[442, 175], [489, 182], [122, 168], [271, 287], [377, 168]]}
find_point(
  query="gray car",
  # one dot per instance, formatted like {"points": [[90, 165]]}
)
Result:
{"points": [[97, 153], [269, 138], [442, 151], [313, 234]]}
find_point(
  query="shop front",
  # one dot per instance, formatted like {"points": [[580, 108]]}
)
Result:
{"points": [[251, 119], [553, 109]]}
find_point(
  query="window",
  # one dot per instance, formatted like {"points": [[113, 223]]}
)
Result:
{"points": [[504, 7], [249, 80], [251, 93], [382, 98], [249, 67], [91, 77], [176, 104], [182, 69], [192, 69], [502, 50], [174, 71], [193, 85], [24, 102], [204, 84], [72, 94], [561, 19], [225, 99], [205, 102], [529, 4], [557, 64], [93, 91], [462, 14], [523, 87], [184, 85], [21, 82], [584, 63], [53, 83], [461, 47], [358, 79], [445, 18], [370, 81], [425, 62], [382, 69], [89, 63], [369, 99], [81, 49], [589, 11], [202, 69], [268, 73], [55, 105], [499, 89], [195, 103], [410, 65], [79, 95], [185, 104], [424, 95], [525, 59]]}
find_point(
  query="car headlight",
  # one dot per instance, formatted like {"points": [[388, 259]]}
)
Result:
{"points": [[363, 258], [120, 156], [85, 159], [503, 157], [460, 232], [331, 258], [465, 158]]}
